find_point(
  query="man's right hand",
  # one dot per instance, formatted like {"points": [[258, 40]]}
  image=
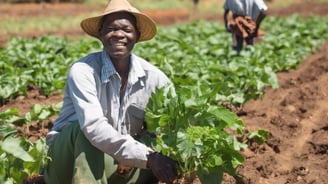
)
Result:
{"points": [[163, 167]]}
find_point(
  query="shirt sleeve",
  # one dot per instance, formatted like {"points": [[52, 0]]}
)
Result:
{"points": [[260, 5], [83, 92], [225, 5]]}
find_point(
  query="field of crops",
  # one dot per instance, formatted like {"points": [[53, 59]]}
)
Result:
{"points": [[213, 85]]}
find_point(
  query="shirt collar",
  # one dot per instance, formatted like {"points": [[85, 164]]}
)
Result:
{"points": [[108, 69]]}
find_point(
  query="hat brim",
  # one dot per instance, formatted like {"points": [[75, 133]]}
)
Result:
{"points": [[145, 25]]}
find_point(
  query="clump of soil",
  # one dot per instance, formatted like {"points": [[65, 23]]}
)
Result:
{"points": [[35, 179]]}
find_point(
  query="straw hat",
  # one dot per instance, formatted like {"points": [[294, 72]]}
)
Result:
{"points": [[145, 24]]}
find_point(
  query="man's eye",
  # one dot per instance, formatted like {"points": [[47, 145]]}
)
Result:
{"points": [[128, 30], [110, 30], [124, 30]]}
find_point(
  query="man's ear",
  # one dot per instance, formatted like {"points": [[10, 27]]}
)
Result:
{"points": [[101, 26], [138, 35], [100, 35]]}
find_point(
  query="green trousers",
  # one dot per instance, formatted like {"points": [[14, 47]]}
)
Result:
{"points": [[75, 161]]}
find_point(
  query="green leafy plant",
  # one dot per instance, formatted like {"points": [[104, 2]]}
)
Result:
{"points": [[20, 157], [193, 132], [199, 51]]}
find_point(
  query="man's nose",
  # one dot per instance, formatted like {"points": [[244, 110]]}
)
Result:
{"points": [[118, 33]]}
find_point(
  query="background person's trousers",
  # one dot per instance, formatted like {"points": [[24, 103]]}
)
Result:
{"points": [[238, 42], [75, 161]]}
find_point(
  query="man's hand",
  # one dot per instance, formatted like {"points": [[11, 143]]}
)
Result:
{"points": [[163, 167], [123, 169]]}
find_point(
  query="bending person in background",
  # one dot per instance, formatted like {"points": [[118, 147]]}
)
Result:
{"points": [[242, 18], [92, 140]]}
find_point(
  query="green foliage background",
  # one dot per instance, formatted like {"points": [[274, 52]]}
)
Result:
{"points": [[190, 53]]}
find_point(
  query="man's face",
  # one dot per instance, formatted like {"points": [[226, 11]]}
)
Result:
{"points": [[119, 34]]}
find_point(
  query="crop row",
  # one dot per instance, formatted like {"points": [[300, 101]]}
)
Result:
{"points": [[200, 51]]}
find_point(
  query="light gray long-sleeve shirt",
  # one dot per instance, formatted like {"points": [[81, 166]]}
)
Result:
{"points": [[251, 8], [92, 96]]}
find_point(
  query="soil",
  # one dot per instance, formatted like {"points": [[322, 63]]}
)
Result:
{"points": [[295, 114]]}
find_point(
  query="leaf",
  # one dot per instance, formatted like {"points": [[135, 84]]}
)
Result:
{"points": [[210, 176], [45, 113], [228, 117], [163, 120], [151, 121], [11, 116], [7, 130], [12, 146], [259, 135]]}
